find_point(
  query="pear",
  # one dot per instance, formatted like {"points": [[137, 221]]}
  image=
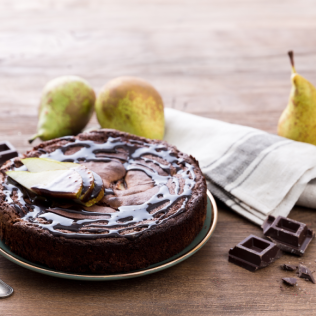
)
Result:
{"points": [[131, 105], [46, 164], [93, 200], [65, 109], [55, 183], [87, 181], [97, 193], [92, 190], [298, 120], [35, 164]]}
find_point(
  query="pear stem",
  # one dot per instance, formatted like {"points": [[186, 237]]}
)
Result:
{"points": [[33, 138], [291, 55]]}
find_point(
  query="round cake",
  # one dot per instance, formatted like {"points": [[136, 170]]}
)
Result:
{"points": [[154, 205]]}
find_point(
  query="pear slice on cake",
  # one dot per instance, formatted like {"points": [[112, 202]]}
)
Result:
{"points": [[92, 191], [87, 181], [97, 193], [46, 164], [54, 183]]}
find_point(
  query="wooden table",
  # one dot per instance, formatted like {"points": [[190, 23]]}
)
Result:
{"points": [[221, 59]]}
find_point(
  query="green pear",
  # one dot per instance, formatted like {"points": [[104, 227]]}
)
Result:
{"points": [[298, 120], [55, 183], [131, 105], [65, 109]]}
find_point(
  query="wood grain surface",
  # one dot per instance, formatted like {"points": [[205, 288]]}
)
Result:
{"points": [[224, 59]]}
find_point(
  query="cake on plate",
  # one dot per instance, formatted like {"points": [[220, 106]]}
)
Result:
{"points": [[153, 205]]}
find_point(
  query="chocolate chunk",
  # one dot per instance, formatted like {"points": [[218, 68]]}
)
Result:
{"points": [[7, 151], [288, 267], [305, 273], [290, 281], [254, 253], [290, 235]]}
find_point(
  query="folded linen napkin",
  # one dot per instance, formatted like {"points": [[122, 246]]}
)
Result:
{"points": [[253, 172]]}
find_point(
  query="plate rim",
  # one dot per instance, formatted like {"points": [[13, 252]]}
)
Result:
{"points": [[104, 277]]}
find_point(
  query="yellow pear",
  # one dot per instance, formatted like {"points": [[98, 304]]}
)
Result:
{"points": [[131, 105], [298, 120]]}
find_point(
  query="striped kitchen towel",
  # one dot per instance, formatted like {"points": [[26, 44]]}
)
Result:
{"points": [[253, 172]]}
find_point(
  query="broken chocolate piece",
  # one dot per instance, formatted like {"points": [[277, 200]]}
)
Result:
{"points": [[7, 151], [305, 273], [290, 281], [288, 267], [254, 253], [290, 235]]}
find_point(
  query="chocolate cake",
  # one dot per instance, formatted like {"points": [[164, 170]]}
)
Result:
{"points": [[154, 205]]}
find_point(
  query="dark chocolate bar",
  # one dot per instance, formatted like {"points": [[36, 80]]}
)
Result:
{"points": [[290, 235], [7, 151], [305, 273], [290, 281], [254, 253]]}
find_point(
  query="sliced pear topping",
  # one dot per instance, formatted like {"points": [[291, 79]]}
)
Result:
{"points": [[94, 200], [46, 164], [98, 185], [92, 185], [53, 183], [97, 193], [87, 181]]}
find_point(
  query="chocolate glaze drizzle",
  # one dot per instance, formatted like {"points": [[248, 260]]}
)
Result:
{"points": [[126, 221]]}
